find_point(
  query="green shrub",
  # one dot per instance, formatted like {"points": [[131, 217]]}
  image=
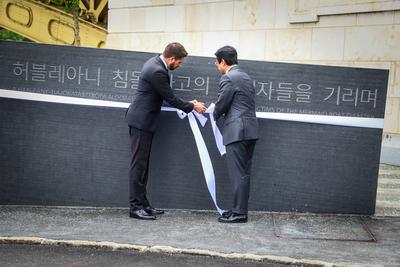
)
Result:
{"points": [[10, 36]]}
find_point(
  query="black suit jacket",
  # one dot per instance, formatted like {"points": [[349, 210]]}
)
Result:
{"points": [[235, 108], [154, 87]]}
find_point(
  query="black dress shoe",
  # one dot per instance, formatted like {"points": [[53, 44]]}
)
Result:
{"points": [[233, 218], [141, 215], [226, 214], [153, 211]]}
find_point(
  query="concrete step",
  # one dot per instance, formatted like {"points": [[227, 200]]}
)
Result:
{"points": [[388, 194], [388, 181], [389, 176], [388, 191], [387, 211], [387, 208], [388, 167], [389, 185], [388, 204]]}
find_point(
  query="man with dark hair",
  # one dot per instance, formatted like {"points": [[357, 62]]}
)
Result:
{"points": [[142, 115], [236, 117], [175, 50], [228, 54]]}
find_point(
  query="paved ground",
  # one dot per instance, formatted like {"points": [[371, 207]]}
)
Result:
{"points": [[44, 236], [316, 240], [21, 255]]}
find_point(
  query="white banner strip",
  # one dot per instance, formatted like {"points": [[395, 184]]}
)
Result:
{"points": [[323, 119], [320, 119], [60, 99]]}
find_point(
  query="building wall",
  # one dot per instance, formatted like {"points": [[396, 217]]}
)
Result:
{"points": [[339, 32]]}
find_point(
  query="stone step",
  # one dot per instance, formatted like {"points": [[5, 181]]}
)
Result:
{"points": [[388, 181], [388, 191], [389, 186], [388, 194], [388, 204], [388, 167], [389, 175], [387, 211], [387, 208]]}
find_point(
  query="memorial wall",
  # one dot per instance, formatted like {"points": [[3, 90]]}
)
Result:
{"points": [[64, 140]]}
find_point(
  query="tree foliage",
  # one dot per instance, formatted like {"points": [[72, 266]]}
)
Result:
{"points": [[71, 5], [67, 5], [10, 36]]}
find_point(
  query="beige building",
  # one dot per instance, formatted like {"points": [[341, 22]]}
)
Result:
{"points": [[361, 33]]}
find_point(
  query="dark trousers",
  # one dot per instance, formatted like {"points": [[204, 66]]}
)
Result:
{"points": [[239, 159], [139, 167]]}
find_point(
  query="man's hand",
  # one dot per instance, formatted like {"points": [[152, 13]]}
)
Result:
{"points": [[211, 108], [198, 106]]}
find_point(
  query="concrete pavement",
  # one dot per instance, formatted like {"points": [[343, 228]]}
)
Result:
{"points": [[25, 255], [299, 239]]}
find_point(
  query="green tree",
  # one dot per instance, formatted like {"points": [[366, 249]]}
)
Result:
{"points": [[10, 36]]}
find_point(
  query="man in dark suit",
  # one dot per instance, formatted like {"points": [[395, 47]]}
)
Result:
{"points": [[142, 115], [235, 115]]}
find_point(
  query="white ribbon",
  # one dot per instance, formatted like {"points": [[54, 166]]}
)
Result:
{"points": [[216, 131], [376, 123], [205, 159]]}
